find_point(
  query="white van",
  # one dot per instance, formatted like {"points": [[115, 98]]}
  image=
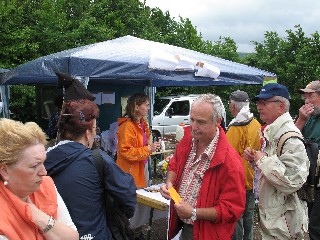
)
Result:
{"points": [[170, 112]]}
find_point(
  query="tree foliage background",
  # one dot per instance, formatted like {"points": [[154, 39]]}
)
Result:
{"points": [[35, 28]]}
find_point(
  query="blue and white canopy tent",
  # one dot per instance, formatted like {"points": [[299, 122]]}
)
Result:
{"points": [[125, 60], [130, 61]]}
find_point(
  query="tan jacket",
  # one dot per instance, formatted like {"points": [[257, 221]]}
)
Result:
{"points": [[282, 214]]}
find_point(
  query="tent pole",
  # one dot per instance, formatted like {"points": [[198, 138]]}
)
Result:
{"points": [[5, 96]]}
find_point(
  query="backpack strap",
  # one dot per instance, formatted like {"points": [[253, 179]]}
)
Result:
{"points": [[317, 183], [285, 137], [99, 164], [116, 218]]}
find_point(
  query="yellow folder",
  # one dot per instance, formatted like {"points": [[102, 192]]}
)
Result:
{"points": [[174, 195]]}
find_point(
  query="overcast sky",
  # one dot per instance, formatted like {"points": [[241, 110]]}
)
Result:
{"points": [[244, 20]]}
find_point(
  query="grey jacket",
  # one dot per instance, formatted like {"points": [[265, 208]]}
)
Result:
{"points": [[283, 215]]}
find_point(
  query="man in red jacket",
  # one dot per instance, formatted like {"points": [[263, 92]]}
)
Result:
{"points": [[209, 176]]}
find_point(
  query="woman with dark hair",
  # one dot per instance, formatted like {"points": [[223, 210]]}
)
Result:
{"points": [[133, 139], [72, 166]]}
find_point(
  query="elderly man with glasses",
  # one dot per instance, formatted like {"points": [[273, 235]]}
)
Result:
{"points": [[282, 214], [308, 122]]}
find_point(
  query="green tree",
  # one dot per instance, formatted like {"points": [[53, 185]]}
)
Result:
{"points": [[295, 60], [34, 28], [23, 103]]}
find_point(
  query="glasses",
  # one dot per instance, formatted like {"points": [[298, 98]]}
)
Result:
{"points": [[265, 102], [309, 96]]}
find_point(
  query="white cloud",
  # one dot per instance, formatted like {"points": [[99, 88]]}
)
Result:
{"points": [[244, 21]]}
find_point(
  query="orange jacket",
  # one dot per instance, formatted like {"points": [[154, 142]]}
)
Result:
{"points": [[242, 136], [131, 152], [16, 217]]}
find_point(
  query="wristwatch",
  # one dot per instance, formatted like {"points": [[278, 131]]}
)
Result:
{"points": [[50, 225], [193, 216]]}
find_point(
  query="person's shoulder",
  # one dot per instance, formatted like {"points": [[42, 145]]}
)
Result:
{"points": [[106, 157], [233, 160], [48, 186], [225, 149], [47, 180], [313, 118], [254, 126], [125, 123], [123, 120], [256, 122], [229, 152]]}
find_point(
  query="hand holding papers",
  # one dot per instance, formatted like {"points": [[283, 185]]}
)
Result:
{"points": [[174, 195]]}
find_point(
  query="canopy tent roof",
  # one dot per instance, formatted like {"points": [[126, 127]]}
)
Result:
{"points": [[125, 60], [2, 70]]}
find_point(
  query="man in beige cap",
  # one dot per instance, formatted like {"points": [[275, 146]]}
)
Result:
{"points": [[308, 122]]}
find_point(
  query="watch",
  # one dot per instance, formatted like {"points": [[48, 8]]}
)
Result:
{"points": [[50, 225], [193, 216]]}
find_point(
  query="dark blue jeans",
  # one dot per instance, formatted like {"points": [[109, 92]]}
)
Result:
{"points": [[314, 219], [244, 227], [187, 232]]}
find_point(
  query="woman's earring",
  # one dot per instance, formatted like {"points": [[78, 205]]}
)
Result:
{"points": [[87, 141], [5, 183]]}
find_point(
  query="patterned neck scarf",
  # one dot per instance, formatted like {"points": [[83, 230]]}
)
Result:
{"points": [[194, 171]]}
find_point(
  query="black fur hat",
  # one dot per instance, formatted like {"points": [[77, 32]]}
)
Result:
{"points": [[74, 89]]}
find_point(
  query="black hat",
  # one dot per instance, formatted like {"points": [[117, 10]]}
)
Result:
{"points": [[74, 89]]}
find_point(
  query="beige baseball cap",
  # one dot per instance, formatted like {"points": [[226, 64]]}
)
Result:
{"points": [[312, 87]]}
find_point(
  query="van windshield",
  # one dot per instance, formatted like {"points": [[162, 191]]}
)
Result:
{"points": [[159, 105]]}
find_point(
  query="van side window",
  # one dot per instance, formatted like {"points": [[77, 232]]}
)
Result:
{"points": [[180, 108]]}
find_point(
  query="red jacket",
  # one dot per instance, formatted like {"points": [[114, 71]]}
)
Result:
{"points": [[222, 188]]}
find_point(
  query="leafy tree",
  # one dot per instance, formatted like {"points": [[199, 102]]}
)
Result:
{"points": [[33, 28], [23, 103], [295, 60]]}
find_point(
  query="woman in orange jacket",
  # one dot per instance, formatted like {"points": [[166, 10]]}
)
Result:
{"points": [[133, 139]]}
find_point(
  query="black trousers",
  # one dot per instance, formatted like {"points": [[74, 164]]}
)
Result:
{"points": [[314, 219]]}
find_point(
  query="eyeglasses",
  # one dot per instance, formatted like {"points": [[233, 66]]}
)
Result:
{"points": [[309, 95], [265, 102]]}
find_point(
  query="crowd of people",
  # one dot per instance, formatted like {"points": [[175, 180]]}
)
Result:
{"points": [[219, 173]]}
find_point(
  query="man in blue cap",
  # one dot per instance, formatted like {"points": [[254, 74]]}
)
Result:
{"points": [[282, 214]]}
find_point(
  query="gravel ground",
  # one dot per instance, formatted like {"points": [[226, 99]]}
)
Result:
{"points": [[159, 229]]}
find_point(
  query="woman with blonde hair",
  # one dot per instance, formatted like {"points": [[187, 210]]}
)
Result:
{"points": [[31, 207]]}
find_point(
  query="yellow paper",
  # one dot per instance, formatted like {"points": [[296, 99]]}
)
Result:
{"points": [[174, 195]]}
